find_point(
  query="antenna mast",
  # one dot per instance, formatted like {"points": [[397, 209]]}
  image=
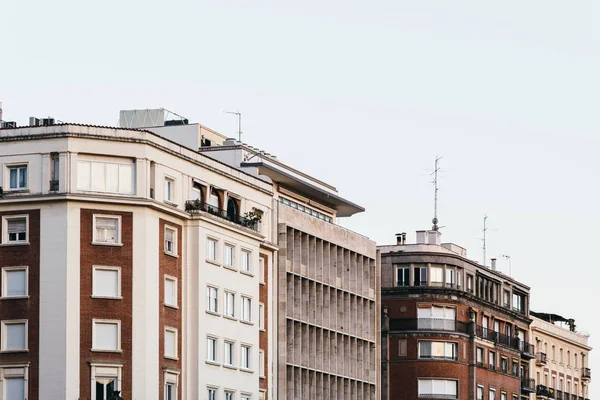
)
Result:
{"points": [[484, 231], [435, 226], [239, 115]]}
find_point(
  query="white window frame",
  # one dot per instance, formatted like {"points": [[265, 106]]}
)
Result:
{"points": [[231, 354], [118, 241], [214, 342], [229, 394], [226, 247], [169, 189], [229, 303], [106, 268], [215, 253], [17, 166], [261, 316], [248, 358], [246, 310], [4, 324], [106, 321], [173, 251], [121, 163], [5, 282], [262, 262], [5, 220], [14, 371], [246, 396], [102, 370], [174, 331], [175, 291], [429, 395], [261, 363], [171, 378], [215, 393], [248, 254], [209, 299]]}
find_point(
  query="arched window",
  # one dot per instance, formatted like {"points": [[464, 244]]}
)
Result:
{"points": [[233, 209]]}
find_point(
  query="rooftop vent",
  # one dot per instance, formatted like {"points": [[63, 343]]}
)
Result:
{"points": [[8, 124]]}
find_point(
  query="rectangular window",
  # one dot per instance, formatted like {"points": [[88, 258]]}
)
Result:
{"points": [[106, 282], [14, 281], [245, 357], [14, 388], [211, 349], [470, 283], [170, 391], [169, 186], [246, 397], [171, 241], [261, 270], [402, 348], [261, 316], [16, 229], [246, 261], [504, 365], [17, 177], [518, 303], [229, 304], [438, 350], [211, 249], [437, 276], [403, 276], [106, 177], [107, 229], [480, 357], [107, 379], [492, 360], [211, 394], [503, 396], [450, 278], [436, 318], [14, 335], [228, 255], [228, 354], [246, 309], [170, 291], [438, 388], [212, 301], [106, 335], [479, 392], [171, 343], [506, 298], [229, 395], [492, 394], [261, 363], [420, 278]]}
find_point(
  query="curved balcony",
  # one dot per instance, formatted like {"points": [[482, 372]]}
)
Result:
{"points": [[428, 324], [197, 207], [525, 348]]}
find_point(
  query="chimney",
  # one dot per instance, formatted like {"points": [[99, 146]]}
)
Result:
{"points": [[493, 264], [435, 237], [403, 237], [421, 237], [399, 238]]}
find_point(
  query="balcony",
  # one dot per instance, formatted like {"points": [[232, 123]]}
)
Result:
{"points": [[540, 359], [544, 392], [527, 385], [54, 186], [428, 324], [525, 348], [196, 207], [586, 374]]}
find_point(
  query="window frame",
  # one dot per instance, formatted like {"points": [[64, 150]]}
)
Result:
{"points": [[433, 357], [171, 378], [5, 238], [436, 395], [89, 178], [261, 316], [173, 252], [215, 251], [119, 239], [106, 321], [402, 271], [226, 363], [244, 309], [244, 347], [175, 291], [209, 299], [4, 324], [226, 247], [5, 282], [214, 394], [18, 166], [118, 296], [214, 349], [175, 332], [169, 189], [262, 262], [227, 303], [261, 364], [246, 254], [117, 374], [14, 371]]}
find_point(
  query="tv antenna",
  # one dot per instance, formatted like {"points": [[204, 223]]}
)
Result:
{"points": [[435, 226], [506, 256], [484, 234], [239, 115]]}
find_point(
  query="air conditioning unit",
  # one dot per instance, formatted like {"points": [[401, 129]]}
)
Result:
{"points": [[47, 121], [33, 121], [8, 124]]}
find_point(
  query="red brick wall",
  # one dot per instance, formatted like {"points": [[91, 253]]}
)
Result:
{"points": [[263, 337], [25, 255], [119, 256], [169, 316]]}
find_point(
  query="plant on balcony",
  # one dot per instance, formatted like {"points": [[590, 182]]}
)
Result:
{"points": [[252, 218], [193, 204]]}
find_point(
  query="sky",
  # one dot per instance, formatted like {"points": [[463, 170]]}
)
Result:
{"points": [[363, 95]]}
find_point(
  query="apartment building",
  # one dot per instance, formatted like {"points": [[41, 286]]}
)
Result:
{"points": [[325, 286], [130, 262], [452, 328], [560, 367]]}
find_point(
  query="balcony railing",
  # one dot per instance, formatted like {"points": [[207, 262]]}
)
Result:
{"points": [[497, 337], [196, 207], [527, 385], [586, 373], [540, 359], [54, 186], [545, 391], [429, 324]]}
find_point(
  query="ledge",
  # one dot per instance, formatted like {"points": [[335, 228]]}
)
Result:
{"points": [[107, 244], [8, 244]]}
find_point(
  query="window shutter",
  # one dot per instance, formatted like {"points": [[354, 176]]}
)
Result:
{"points": [[169, 292], [106, 282], [170, 343], [402, 348], [106, 336], [16, 226], [106, 223], [15, 283], [169, 235]]}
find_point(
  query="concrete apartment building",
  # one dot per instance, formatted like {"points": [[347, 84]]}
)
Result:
{"points": [[561, 364], [452, 328], [170, 269]]}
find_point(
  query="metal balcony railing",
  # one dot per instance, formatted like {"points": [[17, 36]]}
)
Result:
{"points": [[586, 373], [197, 206], [528, 385], [545, 391], [501, 338], [541, 359], [54, 186], [430, 324]]}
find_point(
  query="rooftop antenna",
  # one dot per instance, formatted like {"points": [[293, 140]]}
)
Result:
{"points": [[239, 115], [506, 256], [435, 226], [484, 232]]}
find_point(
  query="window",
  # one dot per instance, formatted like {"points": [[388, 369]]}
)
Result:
{"points": [[246, 397], [246, 261], [503, 396], [261, 363], [106, 379], [479, 392], [403, 276], [106, 335], [437, 318], [14, 229], [492, 360], [245, 357], [171, 343], [110, 177], [170, 291], [54, 172], [17, 175], [228, 256], [470, 283], [228, 354], [261, 316], [518, 303], [211, 349], [14, 384], [261, 270], [171, 380], [450, 278], [420, 276], [14, 335], [437, 276], [171, 241], [402, 348], [515, 368], [214, 200], [246, 309], [14, 281], [492, 394], [438, 350], [212, 301], [106, 282], [480, 357], [504, 365], [444, 388], [169, 189], [211, 394], [211, 249], [229, 395], [229, 304], [107, 229], [506, 298]]}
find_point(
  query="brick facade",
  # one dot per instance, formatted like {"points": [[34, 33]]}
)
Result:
{"points": [[263, 336]]}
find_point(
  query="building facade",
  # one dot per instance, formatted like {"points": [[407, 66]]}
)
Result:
{"points": [[452, 329], [560, 368]]}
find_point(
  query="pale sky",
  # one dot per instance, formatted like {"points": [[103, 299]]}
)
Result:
{"points": [[363, 95]]}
